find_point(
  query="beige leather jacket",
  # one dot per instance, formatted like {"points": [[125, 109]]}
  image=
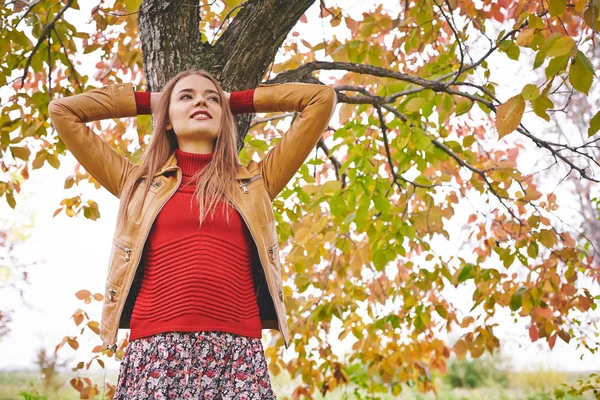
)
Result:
{"points": [[260, 182]]}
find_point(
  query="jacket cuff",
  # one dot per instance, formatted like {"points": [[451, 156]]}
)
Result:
{"points": [[242, 102], [123, 101], [142, 102]]}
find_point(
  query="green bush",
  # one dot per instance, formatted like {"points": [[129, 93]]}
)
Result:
{"points": [[32, 394], [481, 372]]}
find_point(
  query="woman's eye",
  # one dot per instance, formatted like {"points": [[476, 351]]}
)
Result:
{"points": [[214, 98], [184, 96]]}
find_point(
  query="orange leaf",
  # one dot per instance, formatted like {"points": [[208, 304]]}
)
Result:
{"points": [[564, 336], [533, 333], [83, 294], [460, 349], [78, 317], [61, 344], [77, 384], [552, 341]]}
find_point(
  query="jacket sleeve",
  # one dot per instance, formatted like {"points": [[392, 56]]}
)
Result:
{"points": [[316, 104], [69, 116]]}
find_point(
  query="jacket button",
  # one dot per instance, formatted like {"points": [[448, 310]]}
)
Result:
{"points": [[121, 87]]}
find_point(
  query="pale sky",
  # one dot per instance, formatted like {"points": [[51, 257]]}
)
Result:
{"points": [[74, 252]]}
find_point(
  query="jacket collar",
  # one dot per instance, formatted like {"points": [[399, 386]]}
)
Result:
{"points": [[171, 164]]}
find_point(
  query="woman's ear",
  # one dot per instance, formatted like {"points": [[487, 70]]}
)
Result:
{"points": [[169, 126]]}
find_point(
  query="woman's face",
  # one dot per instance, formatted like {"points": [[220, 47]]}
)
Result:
{"points": [[195, 111]]}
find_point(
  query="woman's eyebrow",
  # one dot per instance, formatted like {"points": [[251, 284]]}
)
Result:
{"points": [[192, 90]]}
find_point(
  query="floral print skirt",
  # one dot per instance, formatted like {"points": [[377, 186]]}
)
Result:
{"points": [[194, 365]]}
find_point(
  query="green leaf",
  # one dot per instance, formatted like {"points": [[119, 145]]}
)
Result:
{"points": [[337, 205], [535, 22], [463, 105], [556, 7], [556, 65], [530, 92], [132, 5], [464, 273], [381, 203], [414, 104], [10, 199], [419, 139], [532, 249], [581, 73], [517, 297], [441, 311], [561, 47], [540, 105], [594, 124], [379, 260]]}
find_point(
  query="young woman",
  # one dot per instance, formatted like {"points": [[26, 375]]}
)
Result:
{"points": [[194, 270]]}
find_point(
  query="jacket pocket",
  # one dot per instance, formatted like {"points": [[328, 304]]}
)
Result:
{"points": [[249, 184], [112, 292], [120, 258], [136, 218]]}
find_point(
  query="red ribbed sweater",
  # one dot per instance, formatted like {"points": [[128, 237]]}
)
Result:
{"points": [[197, 279]]}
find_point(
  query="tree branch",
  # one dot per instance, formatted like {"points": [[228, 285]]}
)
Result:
{"points": [[43, 36]]}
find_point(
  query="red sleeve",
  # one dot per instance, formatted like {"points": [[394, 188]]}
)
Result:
{"points": [[142, 102], [240, 102]]}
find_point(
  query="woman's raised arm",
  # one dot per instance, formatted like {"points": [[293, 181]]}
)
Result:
{"points": [[316, 104], [69, 116]]}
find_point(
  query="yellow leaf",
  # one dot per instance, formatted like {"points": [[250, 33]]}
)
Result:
{"points": [[561, 47], [509, 114], [73, 343], [310, 188], [532, 194], [525, 37], [330, 187], [95, 326], [345, 113], [302, 235]]}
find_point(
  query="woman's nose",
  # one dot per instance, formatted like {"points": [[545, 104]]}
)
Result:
{"points": [[200, 100]]}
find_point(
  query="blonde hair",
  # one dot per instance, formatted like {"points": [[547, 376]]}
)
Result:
{"points": [[213, 181]]}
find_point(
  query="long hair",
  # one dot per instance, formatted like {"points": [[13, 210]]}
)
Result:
{"points": [[212, 181]]}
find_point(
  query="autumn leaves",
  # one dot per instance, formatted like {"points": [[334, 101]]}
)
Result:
{"points": [[564, 57]]}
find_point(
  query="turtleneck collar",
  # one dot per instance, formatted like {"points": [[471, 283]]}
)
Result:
{"points": [[190, 163]]}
